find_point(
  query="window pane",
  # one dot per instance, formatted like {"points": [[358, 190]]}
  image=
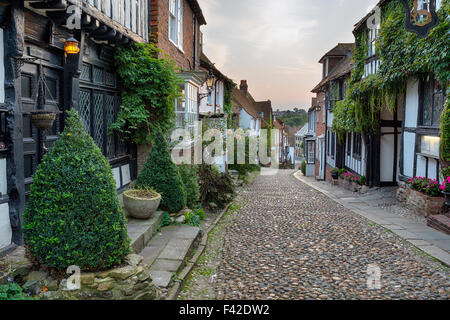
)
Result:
{"points": [[438, 104], [430, 145], [427, 102]]}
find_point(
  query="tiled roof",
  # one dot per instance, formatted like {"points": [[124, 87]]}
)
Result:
{"points": [[242, 101], [197, 10], [342, 68], [207, 64], [340, 50]]}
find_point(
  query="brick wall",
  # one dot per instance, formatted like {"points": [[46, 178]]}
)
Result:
{"points": [[142, 154], [320, 127], [159, 26]]}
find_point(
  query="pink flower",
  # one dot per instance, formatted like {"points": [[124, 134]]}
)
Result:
{"points": [[443, 187], [448, 179]]}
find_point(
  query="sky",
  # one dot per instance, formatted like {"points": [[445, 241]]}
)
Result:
{"points": [[276, 44]]}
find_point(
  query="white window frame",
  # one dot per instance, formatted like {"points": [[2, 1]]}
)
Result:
{"points": [[176, 21]]}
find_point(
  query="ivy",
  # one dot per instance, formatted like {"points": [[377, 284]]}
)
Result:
{"points": [[403, 55], [445, 131], [150, 88]]}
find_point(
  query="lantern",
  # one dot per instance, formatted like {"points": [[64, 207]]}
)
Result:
{"points": [[71, 46]]}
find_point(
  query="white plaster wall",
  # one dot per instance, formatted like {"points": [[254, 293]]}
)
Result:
{"points": [[409, 142], [126, 175], [5, 226], [116, 174], [412, 103], [387, 156], [2, 69], [245, 120], [432, 163]]}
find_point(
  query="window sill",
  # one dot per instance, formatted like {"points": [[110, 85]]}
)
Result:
{"points": [[176, 46], [428, 155]]}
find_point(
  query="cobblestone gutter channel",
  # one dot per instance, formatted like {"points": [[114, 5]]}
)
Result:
{"points": [[288, 241]]}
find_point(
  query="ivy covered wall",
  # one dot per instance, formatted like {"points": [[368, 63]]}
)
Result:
{"points": [[403, 55]]}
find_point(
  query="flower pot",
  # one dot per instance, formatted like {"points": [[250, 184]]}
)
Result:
{"points": [[141, 206], [335, 175], [43, 120]]}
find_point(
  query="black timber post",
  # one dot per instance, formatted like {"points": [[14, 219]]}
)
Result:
{"points": [[72, 71], [14, 49]]}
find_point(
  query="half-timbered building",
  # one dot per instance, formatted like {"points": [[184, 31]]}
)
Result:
{"points": [[39, 74]]}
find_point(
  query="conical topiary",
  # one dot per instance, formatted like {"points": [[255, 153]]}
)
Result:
{"points": [[161, 174], [74, 216]]}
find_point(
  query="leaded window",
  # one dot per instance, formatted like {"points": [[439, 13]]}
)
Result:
{"points": [[98, 108], [432, 97]]}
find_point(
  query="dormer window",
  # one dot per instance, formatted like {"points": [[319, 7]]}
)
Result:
{"points": [[176, 22]]}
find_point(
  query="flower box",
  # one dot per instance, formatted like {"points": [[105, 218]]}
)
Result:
{"points": [[423, 204]]}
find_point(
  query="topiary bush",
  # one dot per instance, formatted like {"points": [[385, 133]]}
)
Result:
{"points": [[73, 215], [189, 176], [161, 174], [303, 168]]}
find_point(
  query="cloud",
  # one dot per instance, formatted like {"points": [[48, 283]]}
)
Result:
{"points": [[276, 45]]}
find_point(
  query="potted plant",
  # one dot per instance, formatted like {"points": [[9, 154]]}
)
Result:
{"points": [[141, 203], [43, 119], [335, 173]]}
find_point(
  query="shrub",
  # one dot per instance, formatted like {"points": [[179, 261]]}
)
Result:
{"points": [[214, 185], [341, 172], [12, 291], [335, 170], [165, 220], [161, 174], [73, 215], [304, 167], [189, 176], [192, 219], [201, 214]]}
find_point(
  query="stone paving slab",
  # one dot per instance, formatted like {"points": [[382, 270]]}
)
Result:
{"points": [[431, 241], [141, 231], [168, 251]]}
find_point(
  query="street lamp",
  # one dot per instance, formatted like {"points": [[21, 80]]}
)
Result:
{"points": [[71, 46], [209, 85]]}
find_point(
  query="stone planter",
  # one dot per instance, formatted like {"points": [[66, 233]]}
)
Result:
{"points": [[423, 204], [140, 206]]}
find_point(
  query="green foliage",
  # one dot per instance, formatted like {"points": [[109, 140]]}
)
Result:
{"points": [[201, 214], [294, 119], [73, 215], [335, 170], [192, 219], [445, 130], [150, 88], [166, 220], [244, 169], [403, 55], [426, 186], [12, 291], [215, 186], [189, 176], [304, 167], [161, 174]]}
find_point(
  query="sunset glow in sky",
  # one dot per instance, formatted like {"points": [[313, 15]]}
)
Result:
{"points": [[276, 45]]}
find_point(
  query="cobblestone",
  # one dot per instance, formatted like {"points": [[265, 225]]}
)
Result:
{"points": [[291, 242]]}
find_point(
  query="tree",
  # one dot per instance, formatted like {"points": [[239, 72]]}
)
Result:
{"points": [[161, 174], [73, 215]]}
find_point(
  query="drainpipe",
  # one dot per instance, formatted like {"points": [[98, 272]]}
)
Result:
{"points": [[215, 96], [195, 43], [326, 141]]}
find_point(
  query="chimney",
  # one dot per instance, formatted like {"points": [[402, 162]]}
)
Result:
{"points": [[244, 86]]}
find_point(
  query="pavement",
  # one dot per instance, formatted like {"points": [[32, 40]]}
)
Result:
{"points": [[429, 240], [290, 241], [168, 251]]}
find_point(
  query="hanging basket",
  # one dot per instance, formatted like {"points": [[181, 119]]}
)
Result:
{"points": [[43, 120]]}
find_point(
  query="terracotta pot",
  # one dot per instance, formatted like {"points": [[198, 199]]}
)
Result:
{"points": [[140, 207]]}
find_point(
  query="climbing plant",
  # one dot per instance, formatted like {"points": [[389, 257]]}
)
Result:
{"points": [[445, 132], [150, 89], [403, 55]]}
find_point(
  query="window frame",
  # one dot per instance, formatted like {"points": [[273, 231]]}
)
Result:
{"points": [[310, 151], [178, 17], [357, 146], [434, 93]]}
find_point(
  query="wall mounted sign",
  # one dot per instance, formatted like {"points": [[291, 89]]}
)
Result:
{"points": [[421, 18]]}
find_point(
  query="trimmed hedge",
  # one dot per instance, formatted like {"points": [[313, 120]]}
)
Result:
{"points": [[161, 174], [74, 216]]}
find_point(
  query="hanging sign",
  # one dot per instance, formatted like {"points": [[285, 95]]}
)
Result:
{"points": [[422, 18]]}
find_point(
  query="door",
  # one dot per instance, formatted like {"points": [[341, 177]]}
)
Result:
{"points": [[321, 158], [44, 94]]}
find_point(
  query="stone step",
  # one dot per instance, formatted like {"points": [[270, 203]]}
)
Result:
{"points": [[440, 223], [168, 252], [142, 231]]}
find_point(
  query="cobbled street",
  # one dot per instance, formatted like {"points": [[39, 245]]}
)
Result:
{"points": [[291, 242]]}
